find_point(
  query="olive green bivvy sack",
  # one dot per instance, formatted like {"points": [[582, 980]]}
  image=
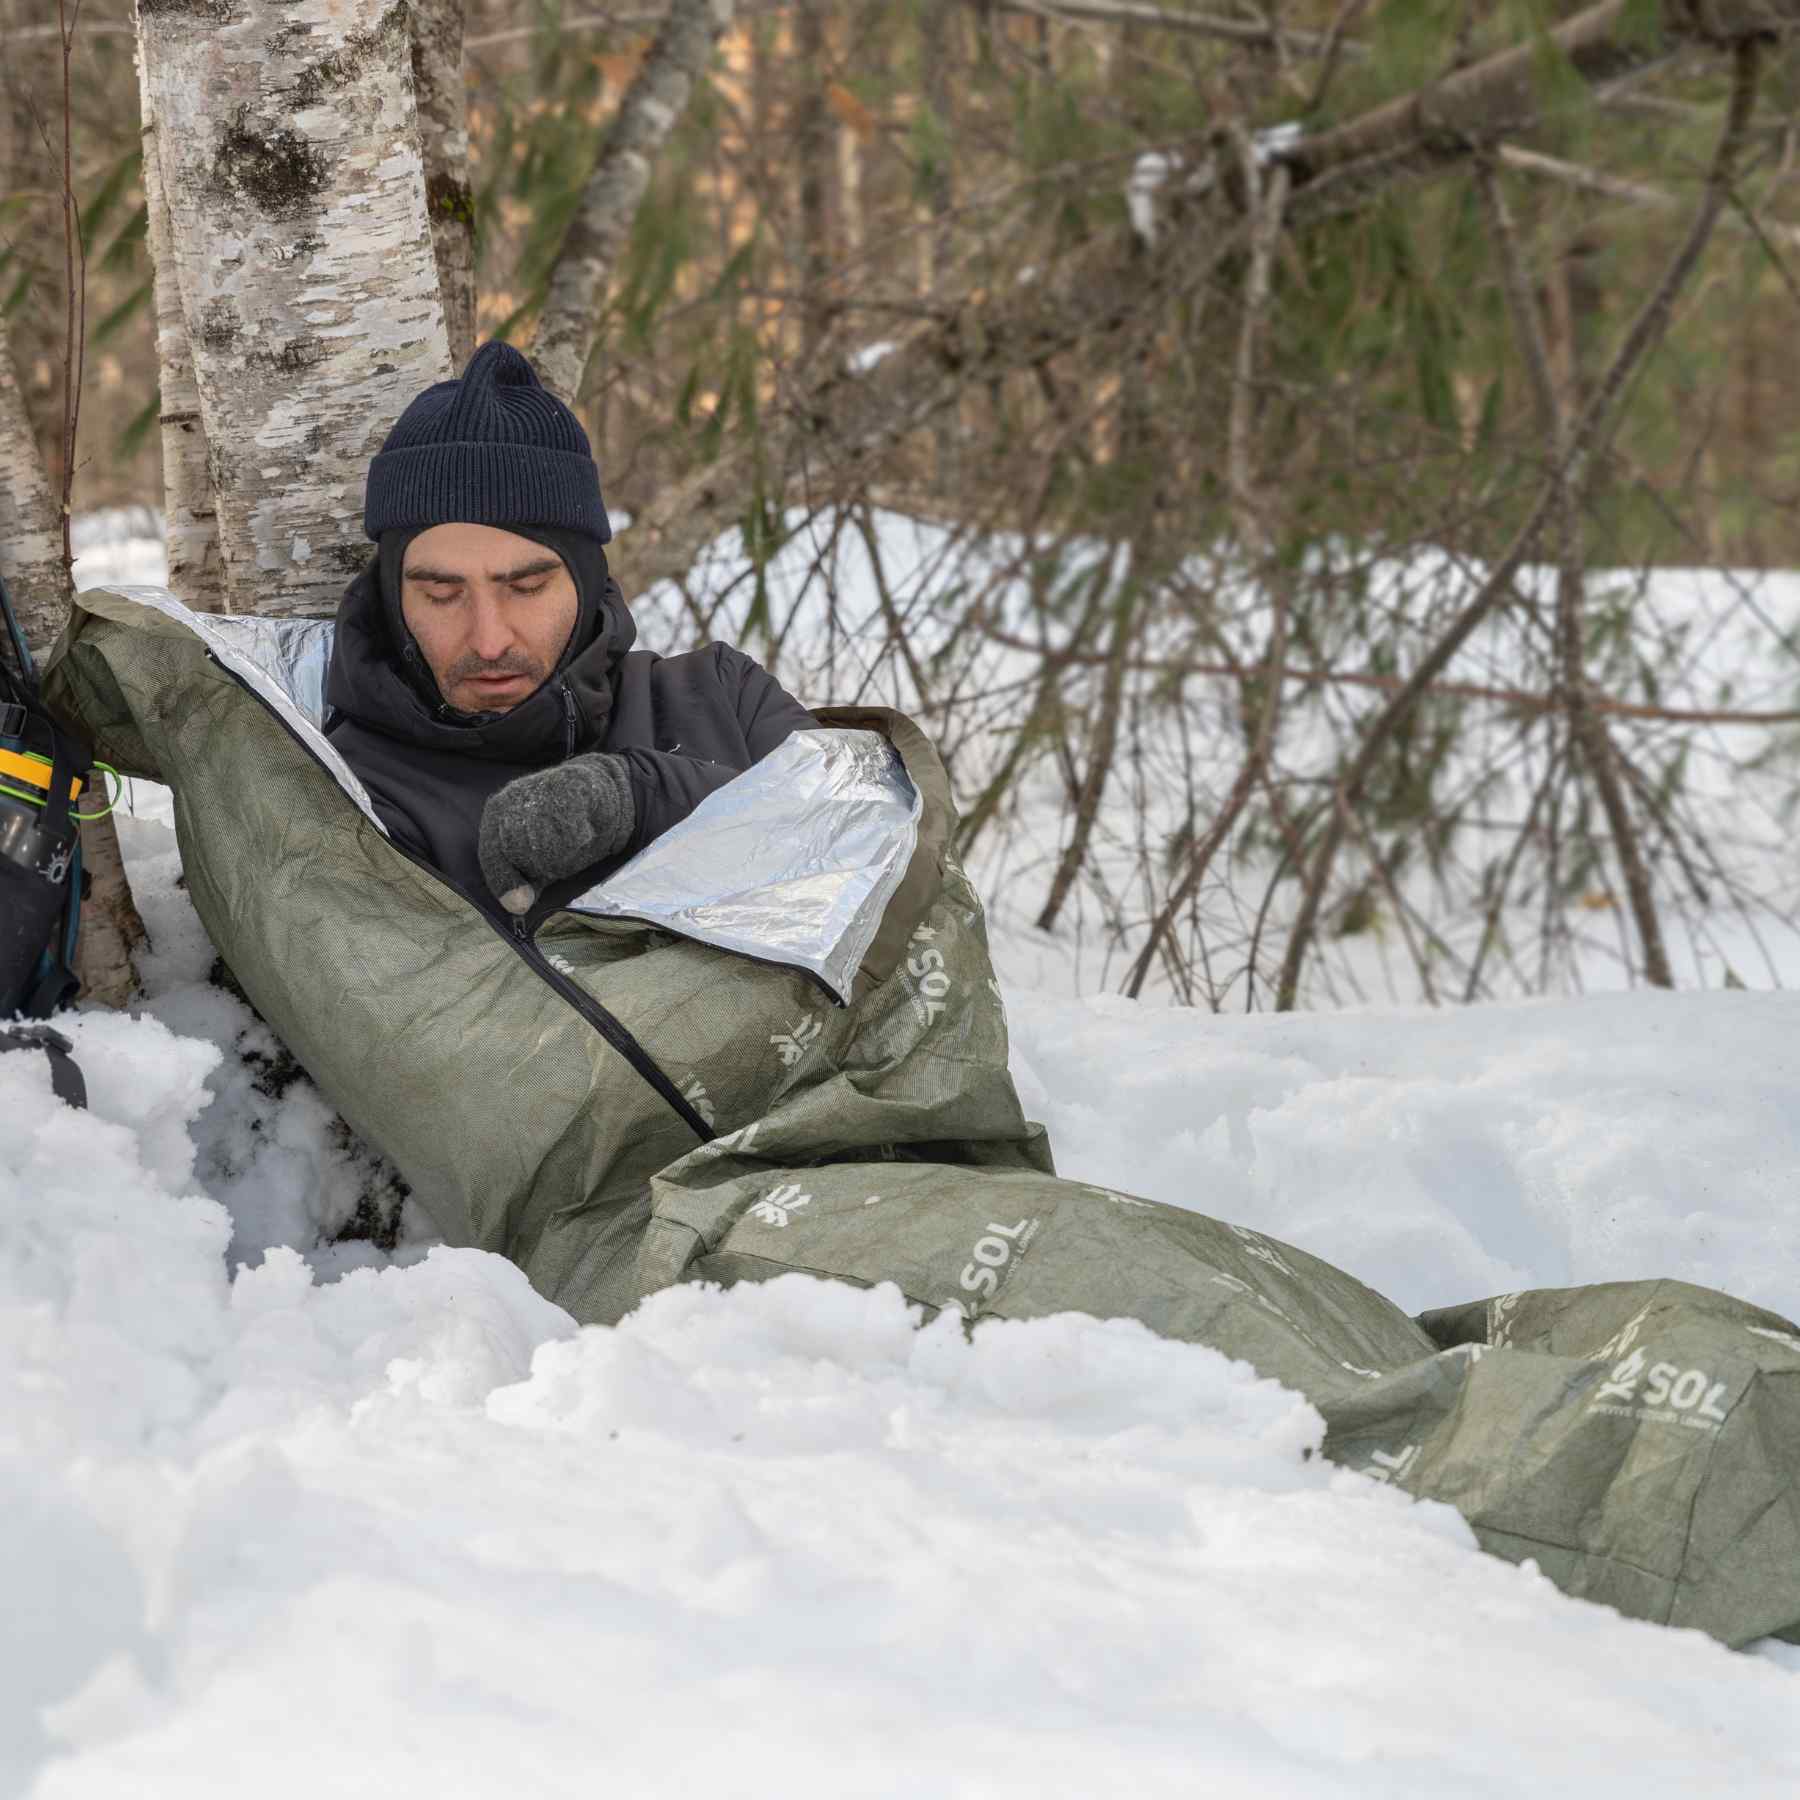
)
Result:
{"points": [[774, 1043]]}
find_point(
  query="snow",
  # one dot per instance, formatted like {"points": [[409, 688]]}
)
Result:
{"points": [[294, 1516], [869, 356]]}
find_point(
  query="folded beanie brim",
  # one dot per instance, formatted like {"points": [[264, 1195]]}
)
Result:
{"points": [[477, 483]]}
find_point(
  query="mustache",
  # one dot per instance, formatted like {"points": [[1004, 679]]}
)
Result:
{"points": [[514, 662]]}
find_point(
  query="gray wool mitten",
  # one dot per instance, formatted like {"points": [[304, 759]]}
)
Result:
{"points": [[554, 823]]}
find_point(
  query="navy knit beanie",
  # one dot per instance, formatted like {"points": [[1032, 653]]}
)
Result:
{"points": [[496, 448]]}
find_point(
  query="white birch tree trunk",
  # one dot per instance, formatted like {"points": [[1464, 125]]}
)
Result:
{"points": [[30, 520], [190, 520], [288, 150]]}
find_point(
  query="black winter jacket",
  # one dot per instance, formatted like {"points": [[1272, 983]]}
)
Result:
{"points": [[685, 725]]}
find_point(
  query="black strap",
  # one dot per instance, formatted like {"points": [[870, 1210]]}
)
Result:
{"points": [[65, 1074], [66, 763], [56, 987]]}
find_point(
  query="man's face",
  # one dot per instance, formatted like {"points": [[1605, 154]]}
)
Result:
{"points": [[491, 611]]}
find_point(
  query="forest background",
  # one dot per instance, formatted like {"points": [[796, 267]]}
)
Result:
{"points": [[1206, 344]]}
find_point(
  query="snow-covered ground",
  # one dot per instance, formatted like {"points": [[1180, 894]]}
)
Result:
{"points": [[294, 1517]]}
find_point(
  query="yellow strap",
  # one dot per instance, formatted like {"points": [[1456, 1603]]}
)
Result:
{"points": [[35, 770]]}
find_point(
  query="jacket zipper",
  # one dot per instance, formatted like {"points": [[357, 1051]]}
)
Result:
{"points": [[518, 936], [568, 701]]}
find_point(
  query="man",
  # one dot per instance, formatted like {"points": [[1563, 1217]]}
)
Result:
{"points": [[483, 684]]}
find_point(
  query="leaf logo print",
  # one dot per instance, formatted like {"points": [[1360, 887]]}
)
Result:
{"points": [[1114, 1199], [779, 1205], [791, 1045], [1258, 1246]]}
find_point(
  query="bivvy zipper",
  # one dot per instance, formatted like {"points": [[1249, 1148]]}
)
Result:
{"points": [[518, 936], [591, 1010]]}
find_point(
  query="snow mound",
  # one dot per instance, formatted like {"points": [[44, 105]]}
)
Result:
{"points": [[410, 1531], [1448, 1155]]}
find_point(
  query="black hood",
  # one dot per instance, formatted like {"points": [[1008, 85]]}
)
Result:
{"points": [[379, 677]]}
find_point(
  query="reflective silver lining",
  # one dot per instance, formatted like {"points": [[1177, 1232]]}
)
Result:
{"points": [[794, 861], [284, 660]]}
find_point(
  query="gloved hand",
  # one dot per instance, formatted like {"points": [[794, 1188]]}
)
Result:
{"points": [[554, 823]]}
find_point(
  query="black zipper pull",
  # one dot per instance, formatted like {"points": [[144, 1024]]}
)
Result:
{"points": [[568, 701]]}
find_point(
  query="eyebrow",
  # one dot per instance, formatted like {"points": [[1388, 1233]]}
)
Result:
{"points": [[423, 572]]}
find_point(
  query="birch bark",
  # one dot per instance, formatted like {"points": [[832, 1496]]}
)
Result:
{"points": [[30, 523], [568, 323], [437, 62], [289, 157], [190, 520]]}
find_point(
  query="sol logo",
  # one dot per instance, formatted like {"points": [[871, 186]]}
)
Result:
{"points": [[1392, 1466], [928, 979], [992, 1253], [1671, 1394]]}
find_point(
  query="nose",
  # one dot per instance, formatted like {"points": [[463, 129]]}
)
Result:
{"points": [[490, 632]]}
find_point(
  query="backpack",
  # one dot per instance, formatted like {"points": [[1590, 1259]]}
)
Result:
{"points": [[43, 772]]}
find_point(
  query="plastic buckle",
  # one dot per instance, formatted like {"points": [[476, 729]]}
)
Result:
{"points": [[13, 718]]}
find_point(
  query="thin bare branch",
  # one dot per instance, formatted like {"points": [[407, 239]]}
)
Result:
{"points": [[1586, 728], [1181, 21], [1634, 193], [568, 324], [75, 294]]}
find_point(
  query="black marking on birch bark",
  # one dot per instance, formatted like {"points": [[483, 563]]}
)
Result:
{"points": [[448, 198], [219, 326], [346, 63], [277, 171], [348, 558], [292, 358]]}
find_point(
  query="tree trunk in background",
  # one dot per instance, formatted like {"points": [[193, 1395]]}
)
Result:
{"points": [[30, 522], [568, 323], [939, 24], [813, 160], [304, 258], [437, 62], [190, 519]]}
